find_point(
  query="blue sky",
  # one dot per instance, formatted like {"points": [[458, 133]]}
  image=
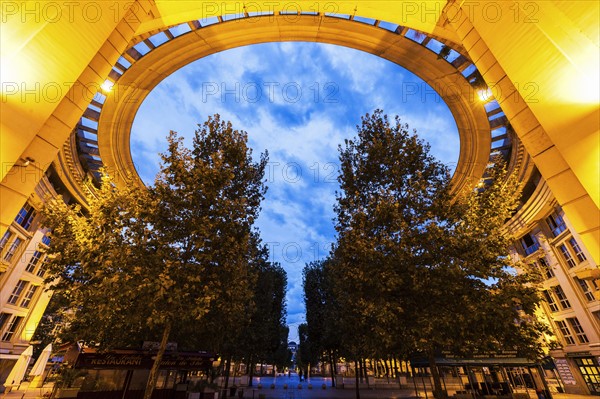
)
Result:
{"points": [[299, 101]]}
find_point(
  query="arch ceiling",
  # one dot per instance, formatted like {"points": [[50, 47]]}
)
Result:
{"points": [[425, 16], [150, 64], [540, 57]]}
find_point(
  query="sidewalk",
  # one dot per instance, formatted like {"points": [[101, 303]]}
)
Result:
{"points": [[291, 393], [27, 393], [570, 396]]}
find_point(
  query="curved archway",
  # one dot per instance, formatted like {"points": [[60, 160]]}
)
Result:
{"points": [[427, 17], [120, 108], [560, 50]]}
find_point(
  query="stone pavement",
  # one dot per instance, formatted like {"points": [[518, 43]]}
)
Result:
{"points": [[304, 393], [293, 392]]}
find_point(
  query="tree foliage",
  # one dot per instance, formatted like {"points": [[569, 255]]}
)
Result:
{"points": [[389, 183], [418, 270], [137, 264], [265, 334], [322, 313], [104, 267]]}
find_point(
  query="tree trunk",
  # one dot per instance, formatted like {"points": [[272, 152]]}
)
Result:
{"points": [[438, 391], [363, 369], [227, 367], [414, 378], [250, 371], [332, 362], [356, 382], [388, 364], [153, 377]]}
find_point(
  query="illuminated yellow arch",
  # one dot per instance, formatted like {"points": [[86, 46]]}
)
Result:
{"points": [[127, 95], [541, 57]]}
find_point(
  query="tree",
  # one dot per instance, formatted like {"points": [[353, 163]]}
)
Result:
{"points": [[270, 311], [51, 322], [388, 182], [417, 265], [313, 283], [265, 334], [304, 353], [138, 264], [282, 357], [321, 313], [467, 295], [96, 252]]}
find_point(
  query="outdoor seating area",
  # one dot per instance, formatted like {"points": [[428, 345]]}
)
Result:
{"points": [[486, 377]]}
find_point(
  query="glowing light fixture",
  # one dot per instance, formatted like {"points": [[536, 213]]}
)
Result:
{"points": [[485, 94], [107, 85], [25, 162]]}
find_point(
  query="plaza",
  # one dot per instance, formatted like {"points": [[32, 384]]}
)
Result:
{"points": [[520, 79], [293, 392]]}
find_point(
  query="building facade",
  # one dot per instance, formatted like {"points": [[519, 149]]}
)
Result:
{"points": [[23, 297], [570, 287]]}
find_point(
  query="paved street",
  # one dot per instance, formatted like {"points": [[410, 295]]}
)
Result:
{"points": [[292, 391]]}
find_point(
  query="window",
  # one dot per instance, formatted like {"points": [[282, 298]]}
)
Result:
{"points": [[28, 296], [25, 216], [42, 270], [35, 258], [556, 224], [529, 243], [5, 239], [562, 298], [3, 319], [566, 333], [550, 300], [46, 240], [14, 297], [585, 288], [581, 337], [577, 249], [545, 267], [11, 328], [567, 255], [590, 371], [13, 248]]}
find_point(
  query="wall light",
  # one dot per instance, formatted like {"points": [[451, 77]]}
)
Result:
{"points": [[107, 85], [485, 95], [25, 162]]}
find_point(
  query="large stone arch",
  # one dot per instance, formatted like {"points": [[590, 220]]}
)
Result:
{"points": [[119, 110], [53, 59]]}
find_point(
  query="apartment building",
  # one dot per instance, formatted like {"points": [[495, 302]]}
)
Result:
{"points": [[23, 297], [570, 288]]}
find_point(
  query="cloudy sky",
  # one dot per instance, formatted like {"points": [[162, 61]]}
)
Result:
{"points": [[299, 101]]}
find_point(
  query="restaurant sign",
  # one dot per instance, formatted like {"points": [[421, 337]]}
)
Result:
{"points": [[142, 361], [502, 354]]}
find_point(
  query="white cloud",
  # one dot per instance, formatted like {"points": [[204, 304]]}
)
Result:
{"points": [[363, 69]]}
